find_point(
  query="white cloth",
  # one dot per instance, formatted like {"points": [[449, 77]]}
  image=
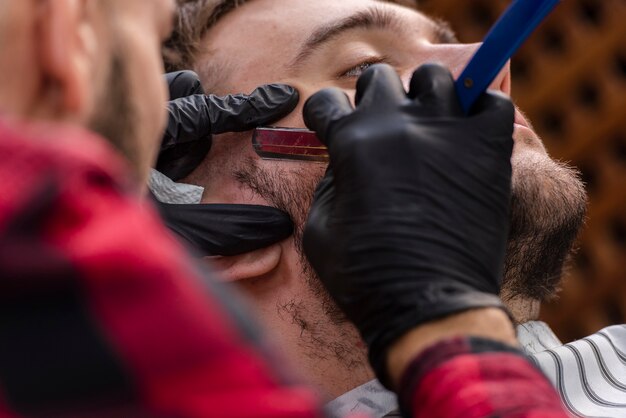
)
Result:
{"points": [[590, 375], [371, 399], [167, 191], [536, 336]]}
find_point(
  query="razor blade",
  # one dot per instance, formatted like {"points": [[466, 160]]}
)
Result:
{"points": [[288, 144]]}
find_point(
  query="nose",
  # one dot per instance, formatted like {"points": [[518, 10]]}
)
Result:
{"points": [[456, 56]]}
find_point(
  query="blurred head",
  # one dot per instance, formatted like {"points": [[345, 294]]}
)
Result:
{"points": [[237, 45], [95, 64]]}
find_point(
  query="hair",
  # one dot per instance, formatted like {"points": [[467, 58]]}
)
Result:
{"points": [[195, 19]]}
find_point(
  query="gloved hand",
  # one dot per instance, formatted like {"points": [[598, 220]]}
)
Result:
{"points": [[226, 229], [410, 222], [193, 118]]}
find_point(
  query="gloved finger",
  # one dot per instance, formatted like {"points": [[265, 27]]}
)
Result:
{"points": [[187, 137], [500, 112], [317, 232], [494, 101], [187, 121], [238, 113], [379, 84], [183, 84], [432, 85], [323, 109], [227, 229]]}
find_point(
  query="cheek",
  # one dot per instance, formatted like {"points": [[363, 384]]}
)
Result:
{"points": [[148, 87], [152, 89], [141, 45], [295, 119]]}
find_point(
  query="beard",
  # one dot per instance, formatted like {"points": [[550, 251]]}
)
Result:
{"points": [[548, 208], [115, 116], [325, 332], [292, 192]]}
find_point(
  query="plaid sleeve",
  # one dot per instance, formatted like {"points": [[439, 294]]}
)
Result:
{"points": [[474, 377], [103, 314]]}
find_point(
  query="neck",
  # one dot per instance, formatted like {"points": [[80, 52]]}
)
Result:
{"points": [[335, 370], [329, 356], [522, 308], [326, 352]]}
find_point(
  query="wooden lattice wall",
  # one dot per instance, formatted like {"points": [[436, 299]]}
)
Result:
{"points": [[570, 78]]}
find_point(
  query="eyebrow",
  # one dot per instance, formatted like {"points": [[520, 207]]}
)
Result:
{"points": [[372, 18]]}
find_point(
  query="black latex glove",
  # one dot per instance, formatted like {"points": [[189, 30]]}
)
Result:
{"points": [[193, 117], [410, 222], [227, 229]]}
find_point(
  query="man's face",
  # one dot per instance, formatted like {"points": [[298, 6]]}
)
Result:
{"points": [[317, 44], [130, 108]]}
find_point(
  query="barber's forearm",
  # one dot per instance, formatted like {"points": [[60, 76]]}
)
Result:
{"points": [[468, 365], [491, 323]]}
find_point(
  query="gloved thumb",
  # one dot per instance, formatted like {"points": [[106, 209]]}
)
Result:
{"points": [[433, 86], [324, 108], [240, 112], [183, 84]]}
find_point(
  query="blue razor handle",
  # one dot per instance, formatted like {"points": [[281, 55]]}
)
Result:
{"points": [[503, 40]]}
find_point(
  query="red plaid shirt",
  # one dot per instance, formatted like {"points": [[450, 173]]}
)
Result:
{"points": [[474, 377], [102, 314]]}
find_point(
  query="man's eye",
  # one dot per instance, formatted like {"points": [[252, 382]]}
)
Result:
{"points": [[357, 70]]}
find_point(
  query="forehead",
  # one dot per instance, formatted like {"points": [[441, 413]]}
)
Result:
{"points": [[262, 36]]}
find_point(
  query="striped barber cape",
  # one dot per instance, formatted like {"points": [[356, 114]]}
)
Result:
{"points": [[590, 374]]}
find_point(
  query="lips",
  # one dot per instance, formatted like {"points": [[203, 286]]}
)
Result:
{"points": [[521, 120], [525, 138], [522, 129]]}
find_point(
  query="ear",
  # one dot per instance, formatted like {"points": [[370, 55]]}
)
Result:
{"points": [[247, 266], [68, 48]]}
